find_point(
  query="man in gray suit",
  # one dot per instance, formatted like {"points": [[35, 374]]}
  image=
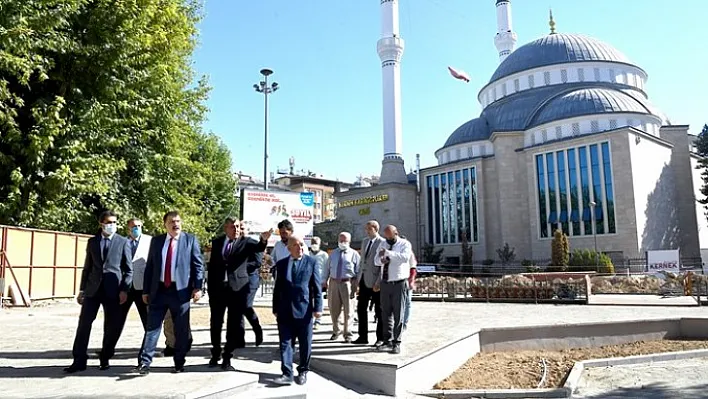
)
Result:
{"points": [[174, 274], [139, 244], [105, 282], [368, 275]]}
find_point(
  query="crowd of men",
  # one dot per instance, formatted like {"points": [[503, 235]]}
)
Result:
{"points": [[161, 274]]}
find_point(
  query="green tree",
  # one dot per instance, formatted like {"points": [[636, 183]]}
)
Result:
{"points": [[702, 149], [560, 250], [431, 255], [99, 108], [467, 254], [506, 254]]}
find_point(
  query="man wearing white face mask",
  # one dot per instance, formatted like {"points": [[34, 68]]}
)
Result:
{"points": [[321, 257], [339, 277]]}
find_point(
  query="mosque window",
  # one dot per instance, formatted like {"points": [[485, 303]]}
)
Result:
{"points": [[573, 193], [581, 74], [630, 122], [620, 77], [612, 75], [564, 75], [562, 191], [630, 79], [516, 85], [541, 179], [595, 167], [642, 127], [596, 71], [533, 138], [482, 150], [504, 89], [609, 192], [531, 82], [594, 126], [559, 132], [576, 129], [470, 152], [452, 207], [547, 78], [458, 154], [544, 135], [613, 123]]}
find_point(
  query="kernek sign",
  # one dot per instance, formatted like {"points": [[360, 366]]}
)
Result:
{"points": [[263, 210], [664, 260]]}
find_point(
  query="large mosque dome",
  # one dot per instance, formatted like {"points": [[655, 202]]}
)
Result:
{"points": [[555, 87], [555, 49]]}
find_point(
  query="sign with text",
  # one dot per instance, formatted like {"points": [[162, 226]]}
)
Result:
{"points": [[422, 268], [664, 260], [263, 210], [363, 201]]}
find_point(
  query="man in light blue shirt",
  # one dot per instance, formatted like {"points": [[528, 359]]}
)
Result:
{"points": [[321, 257], [340, 278]]}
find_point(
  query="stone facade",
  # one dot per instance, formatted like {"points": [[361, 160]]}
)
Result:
{"points": [[399, 208], [646, 173]]}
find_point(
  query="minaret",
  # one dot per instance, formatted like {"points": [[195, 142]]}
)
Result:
{"points": [[505, 40], [390, 50]]}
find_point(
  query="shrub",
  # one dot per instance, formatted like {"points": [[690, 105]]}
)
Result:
{"points": [[586, 260], [560, 250], [506, 254]]}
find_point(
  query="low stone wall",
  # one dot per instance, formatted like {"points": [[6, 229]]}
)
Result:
{"points": [[507, 287]]}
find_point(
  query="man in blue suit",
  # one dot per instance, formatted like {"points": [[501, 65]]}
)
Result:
{"points": [[296, 299], [174, 274]]}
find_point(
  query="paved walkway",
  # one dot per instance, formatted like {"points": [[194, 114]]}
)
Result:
{"points": [[676, 379], [35, 346]]}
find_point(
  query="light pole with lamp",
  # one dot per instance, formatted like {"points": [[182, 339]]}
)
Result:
{"points": [[594, 231], [262, 87]]}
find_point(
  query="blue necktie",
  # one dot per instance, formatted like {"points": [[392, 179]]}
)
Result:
{"points": [[294, 271]]}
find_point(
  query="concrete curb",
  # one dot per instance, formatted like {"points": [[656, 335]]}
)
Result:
{"points": [[571, 383], [496, 393]]}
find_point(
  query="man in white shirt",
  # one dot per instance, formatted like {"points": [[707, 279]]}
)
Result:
{"points": [[280, 249], [393, 256], [340, 278], [321, 257]]}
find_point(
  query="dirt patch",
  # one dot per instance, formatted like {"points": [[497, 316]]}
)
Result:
{"points": [[199, 316], [523, 369]]}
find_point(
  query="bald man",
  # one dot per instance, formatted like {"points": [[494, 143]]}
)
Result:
{"points": [[394, 257], [340, 280]]}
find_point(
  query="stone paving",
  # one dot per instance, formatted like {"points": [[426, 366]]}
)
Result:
{"points": [[36, 345]]}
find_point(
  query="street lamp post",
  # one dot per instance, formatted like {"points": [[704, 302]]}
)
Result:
{"points": [[594, 231], [262, 87]]}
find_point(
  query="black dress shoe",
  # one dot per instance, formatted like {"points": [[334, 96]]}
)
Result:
{"points": [[283, 380], [178, 368], [213, 362], [360, 341], [104, 365], [75, 368], [142, 370], [226, 364], [301, 379]]}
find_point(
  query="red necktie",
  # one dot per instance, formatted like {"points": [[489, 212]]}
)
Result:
{"points": [[168, 265]]}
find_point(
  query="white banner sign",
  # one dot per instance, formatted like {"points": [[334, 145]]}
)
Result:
{"points": [[666, 260], [263, 210]]}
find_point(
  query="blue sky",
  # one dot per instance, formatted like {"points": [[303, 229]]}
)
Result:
{"points": [[327, 113]]}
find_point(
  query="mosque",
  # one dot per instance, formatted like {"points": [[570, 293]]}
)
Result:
{"points": [[567, 139]]}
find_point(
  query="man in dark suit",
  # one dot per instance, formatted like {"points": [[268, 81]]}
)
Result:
{"points": [[253, 268], [174, 274], [296, 299], [105, 281], [230, 259], [240, 258]]}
